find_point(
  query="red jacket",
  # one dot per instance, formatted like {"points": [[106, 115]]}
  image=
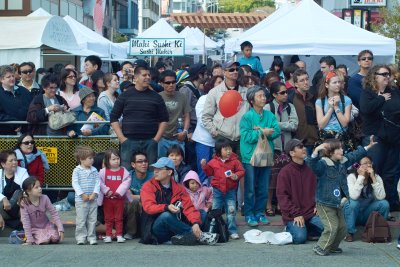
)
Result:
{"points": [[217, 168], [35, 168], [151, 191]]}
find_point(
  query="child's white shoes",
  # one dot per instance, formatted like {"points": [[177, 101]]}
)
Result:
{"points": [[120, 239], [107, 239]]}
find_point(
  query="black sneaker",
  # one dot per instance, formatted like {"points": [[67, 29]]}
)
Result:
{"points": [[319, 251], [336, 250], [184, 240]]}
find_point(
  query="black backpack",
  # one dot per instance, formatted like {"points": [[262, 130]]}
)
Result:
{"points": [[220, 226]]}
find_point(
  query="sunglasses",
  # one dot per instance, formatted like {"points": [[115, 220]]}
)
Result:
{"points": [[170, 82], [366, 58], [282, 92], [232, 69], [28, 143], [27, 71], [142, 161], [384, 74], [71, 77]]}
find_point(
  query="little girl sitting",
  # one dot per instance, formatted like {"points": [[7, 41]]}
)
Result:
{"points": [[201, 196], [38, 229]]}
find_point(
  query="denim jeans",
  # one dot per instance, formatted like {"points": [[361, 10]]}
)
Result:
{"points": [[203, 152], [167, 225], [203, 216], [227, 200], [256, 183], [149, 146], [164, 144], [355, 213], [313, 227]]}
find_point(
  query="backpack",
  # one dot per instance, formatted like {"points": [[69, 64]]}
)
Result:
{"points": [[376, 229], [272, 108], [220, 226]]}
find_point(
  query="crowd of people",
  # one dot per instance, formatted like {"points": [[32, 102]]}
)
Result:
{"points": [[333, 143]]}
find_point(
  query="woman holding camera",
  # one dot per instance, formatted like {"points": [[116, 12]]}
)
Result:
{"points": [[367, 194]]}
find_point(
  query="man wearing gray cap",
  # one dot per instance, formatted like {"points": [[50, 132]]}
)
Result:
{"points": [[168, 212], [295, 191]]}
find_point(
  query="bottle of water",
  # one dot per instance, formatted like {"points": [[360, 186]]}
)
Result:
{"points": [[179, 127], [212, 226]]}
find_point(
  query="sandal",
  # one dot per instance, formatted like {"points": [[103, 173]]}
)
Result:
{"points": [[270, 212]]}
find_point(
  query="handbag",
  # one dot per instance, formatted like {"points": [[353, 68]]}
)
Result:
{"points": [[60, 119], [263, 156]]}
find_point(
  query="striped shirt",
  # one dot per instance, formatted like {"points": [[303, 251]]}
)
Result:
{"points": [[85, 181]]}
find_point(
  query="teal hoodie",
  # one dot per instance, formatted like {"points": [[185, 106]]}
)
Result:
{"points": [[249, 136]]}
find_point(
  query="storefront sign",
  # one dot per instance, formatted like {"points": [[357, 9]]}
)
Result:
{"points": [[157, 47], [367, 3]]}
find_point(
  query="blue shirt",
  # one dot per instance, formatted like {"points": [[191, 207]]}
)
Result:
{"points": [[253, 62], [137, 183], [333, 123]]}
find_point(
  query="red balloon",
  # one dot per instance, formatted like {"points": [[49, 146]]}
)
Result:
{"points": [[230, 103]]}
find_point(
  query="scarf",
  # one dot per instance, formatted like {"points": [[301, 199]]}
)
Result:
{"points": [[28, 158]]}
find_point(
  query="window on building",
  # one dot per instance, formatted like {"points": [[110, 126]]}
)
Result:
{"points": [[123, 17], [79, 14], [63, 8], [134, 16], [15, 5], [45, 4], [2, 4], [72, 10], [54, 9]]}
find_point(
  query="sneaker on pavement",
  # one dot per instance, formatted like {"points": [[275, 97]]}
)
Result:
{"points": [[107, 239], [235, 236], [251, 221], [80, 242], [184, 240], [263, 220], [128, 236], [336, 250], [319, 251], [93, 242], [207, 238], [398, 246], [120, 239]]}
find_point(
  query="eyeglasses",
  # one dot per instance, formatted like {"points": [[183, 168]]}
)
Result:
{"points": [[384, 74], [232, 69], [27, 71], [142, 161], [283, 92], [28, 143], [71, 77], [170, 82], [367, 58]]}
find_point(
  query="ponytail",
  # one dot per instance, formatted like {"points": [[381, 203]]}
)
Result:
{"points": [[27, 185]]}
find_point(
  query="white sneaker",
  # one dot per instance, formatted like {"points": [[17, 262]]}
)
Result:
{"points": [[107, 239], [120, 239], [235, 236], [209, 238], [128, 236], [398, 246], [80, 242], [93, 242]]}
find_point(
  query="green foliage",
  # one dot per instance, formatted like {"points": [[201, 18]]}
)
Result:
{"points": [[389, 26], [119, 37], [243, 6]]}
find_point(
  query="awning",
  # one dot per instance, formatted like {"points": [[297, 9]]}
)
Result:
{"points": [[218, 20]]}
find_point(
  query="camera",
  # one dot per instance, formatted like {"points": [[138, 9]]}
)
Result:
{"points": [[228, 173], [178, 204]]}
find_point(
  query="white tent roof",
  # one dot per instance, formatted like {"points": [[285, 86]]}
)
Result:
{"points": [[33, 32], [308, 29], [210, 44], [193, 46], [160, 29], [87, 38], [40, 12]]}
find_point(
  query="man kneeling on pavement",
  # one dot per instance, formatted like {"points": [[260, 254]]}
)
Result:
{"points": [[168, 212], [295, 191]]}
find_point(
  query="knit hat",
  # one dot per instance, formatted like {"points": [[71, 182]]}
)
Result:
{"points": [[181, 75], [84, 92]]}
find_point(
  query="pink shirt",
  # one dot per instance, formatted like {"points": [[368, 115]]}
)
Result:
{"points": [[73, 101]]}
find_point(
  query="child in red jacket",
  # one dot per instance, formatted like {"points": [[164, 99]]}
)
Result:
{"points": [[227, 171]]}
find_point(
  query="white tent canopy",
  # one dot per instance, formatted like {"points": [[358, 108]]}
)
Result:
{"points": [[308, 29], [24, 37], [160, 29], [193, 45]]}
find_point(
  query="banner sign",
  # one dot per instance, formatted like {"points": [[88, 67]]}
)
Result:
{"points": [[367, 3], [157, 47]]}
